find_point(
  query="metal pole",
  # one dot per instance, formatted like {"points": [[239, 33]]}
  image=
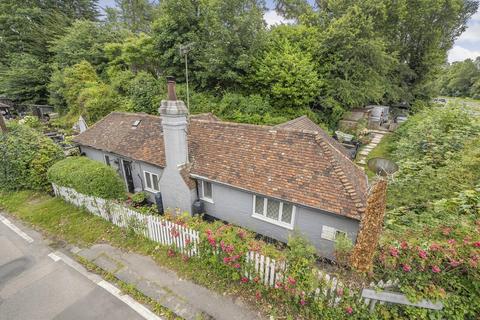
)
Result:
{"points": [[186, 78]]}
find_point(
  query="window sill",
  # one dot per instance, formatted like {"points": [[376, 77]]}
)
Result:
{"points": [[151, 190], [275, 222], [207, 200]]}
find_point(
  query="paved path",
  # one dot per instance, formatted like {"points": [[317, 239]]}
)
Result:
{"points": [[377, 137], [183, 297], [36, 284]]}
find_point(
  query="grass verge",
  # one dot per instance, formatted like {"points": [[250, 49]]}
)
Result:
{"points": [[63, 221], [129, 289]]}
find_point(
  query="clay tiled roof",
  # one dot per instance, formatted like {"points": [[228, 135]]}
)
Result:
{"points": [[299, 166], [115, 133], [304, 123]]}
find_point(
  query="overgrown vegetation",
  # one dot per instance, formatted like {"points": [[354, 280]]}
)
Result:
{"points": [[25, 157], [431, 241], [334, 56], [88, 177], [460, 79]]}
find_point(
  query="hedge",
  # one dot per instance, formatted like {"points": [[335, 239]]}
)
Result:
{"points": [[25, 156], [88, 177]]}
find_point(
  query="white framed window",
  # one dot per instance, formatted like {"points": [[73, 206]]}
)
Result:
{"points": [[151, 181], [107, 159], [206, 191], [330, 233], [274, 211]]}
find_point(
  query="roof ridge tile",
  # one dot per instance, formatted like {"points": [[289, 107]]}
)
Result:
{"points": [[341, 174]]}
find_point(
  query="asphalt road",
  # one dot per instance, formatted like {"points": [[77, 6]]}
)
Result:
{"points": [[34, 287]]}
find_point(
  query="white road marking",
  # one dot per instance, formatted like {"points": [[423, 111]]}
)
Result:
{"points": [[54, 257], [15, 229], [139, 308], [112, 289]]}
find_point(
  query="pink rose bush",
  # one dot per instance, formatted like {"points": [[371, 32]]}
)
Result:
{"points": [[446, 266]]}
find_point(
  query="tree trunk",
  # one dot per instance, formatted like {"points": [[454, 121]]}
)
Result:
{"points": [[3, 126]]}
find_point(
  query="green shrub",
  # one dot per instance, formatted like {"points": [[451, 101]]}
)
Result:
{"points": [[139, 198], [88, 177], [25, 156]]}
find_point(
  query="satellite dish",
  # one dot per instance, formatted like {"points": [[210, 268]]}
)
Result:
{"points": [[382, 167]]}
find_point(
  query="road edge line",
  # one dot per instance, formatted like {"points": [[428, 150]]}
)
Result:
{"points": [[16, 229], [107, 286]]}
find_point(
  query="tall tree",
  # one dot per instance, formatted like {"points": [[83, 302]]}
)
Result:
{"points": [[352, 61], [135, 15], [226, 36], [26, 30], [401, 24], [25, 78], [288, 76], [84, 40]]}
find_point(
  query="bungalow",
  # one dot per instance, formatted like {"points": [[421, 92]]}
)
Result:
{"points": [[271, 180]]}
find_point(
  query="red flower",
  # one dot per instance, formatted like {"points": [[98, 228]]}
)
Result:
{"points": [[226, 260], [258, 295], [422, 254], [394, 252], [244, 280], [435, 247], [211, 240], [454, 263], [404, 245], [170, 253], [241, 234], [435, 269], [476, 244], [256, 279], [302, 302], [451, 241], [291, 281], [185, 258], [407, 268], [278, 285], [237, 265], [209, 232], [349, 310]]}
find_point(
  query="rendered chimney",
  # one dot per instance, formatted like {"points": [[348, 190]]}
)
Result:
{"points": [[174, 115], [172, 94]]}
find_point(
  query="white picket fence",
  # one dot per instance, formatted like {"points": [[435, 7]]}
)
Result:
{"points": [[165, 232], [258, 267]]}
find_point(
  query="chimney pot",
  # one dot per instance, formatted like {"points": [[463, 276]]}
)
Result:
{"points": [[172, 95]]}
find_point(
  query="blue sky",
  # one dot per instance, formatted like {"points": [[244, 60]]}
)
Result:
{"points": [[466, 46]]}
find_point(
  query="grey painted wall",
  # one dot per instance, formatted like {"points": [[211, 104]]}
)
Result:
{"points": [[138, 167], [236, 206]]}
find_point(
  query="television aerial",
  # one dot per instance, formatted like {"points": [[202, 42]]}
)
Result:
{"points": [[382, 167]]}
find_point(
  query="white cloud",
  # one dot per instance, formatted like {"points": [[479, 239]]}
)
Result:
{"points": [[472, 34], [272, 18], [458, 53]]}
